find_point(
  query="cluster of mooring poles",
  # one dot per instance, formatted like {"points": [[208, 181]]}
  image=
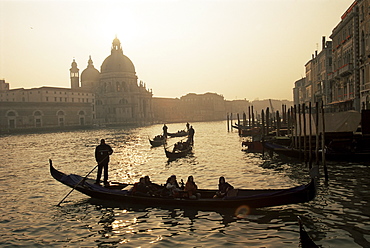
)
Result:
{"points": [[295, 124]]}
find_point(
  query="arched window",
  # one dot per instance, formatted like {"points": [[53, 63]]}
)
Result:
{"points": [[81, 114], [37, 118], [11, 115], [61, 118]]}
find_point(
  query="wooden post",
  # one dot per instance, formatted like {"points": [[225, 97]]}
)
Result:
{"points": [[263, 122], [267, 121], [323, 142], [277, 124], [295, 127], [263, 132], [304, 133], [289, 123], [310, 137], [249, 116], [239, 130], [228, 125], [300, 131], [244, 119], [231, 121], [317, 133], [252, 111]]}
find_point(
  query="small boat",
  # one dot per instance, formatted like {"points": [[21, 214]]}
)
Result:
{"points": [[253, 146], [180, 149], [305, 239], [180, 133], [158, 140], [248, 198]]}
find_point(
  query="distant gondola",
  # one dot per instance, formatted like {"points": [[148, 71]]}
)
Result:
{"points": [[158, 140], [181, 149], [248, 198], [180, 133]]}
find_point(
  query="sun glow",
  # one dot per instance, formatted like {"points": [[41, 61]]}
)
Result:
{"points": [[242, 212]]}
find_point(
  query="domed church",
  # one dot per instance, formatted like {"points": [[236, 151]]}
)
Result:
{"points": [[119, 97]]}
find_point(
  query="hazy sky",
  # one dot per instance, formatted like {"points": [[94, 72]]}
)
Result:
{"points": [[237, 48]]}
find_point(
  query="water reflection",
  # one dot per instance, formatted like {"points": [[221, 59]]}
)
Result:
{"points": [[338, 217], [135, 224]]}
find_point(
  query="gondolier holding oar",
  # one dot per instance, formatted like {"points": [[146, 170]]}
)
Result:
{"points": [[102, 153]]}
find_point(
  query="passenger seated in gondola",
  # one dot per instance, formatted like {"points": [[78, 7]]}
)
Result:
{"points": [[178, 146], [151, 187], [191, 188], [140, 188], [223, 188], [172, 186]]}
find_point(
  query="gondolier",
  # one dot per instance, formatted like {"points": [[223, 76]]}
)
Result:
{"points": [[102, 153]]}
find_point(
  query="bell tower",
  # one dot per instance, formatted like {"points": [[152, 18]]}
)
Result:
{"points": [[74, 75]]}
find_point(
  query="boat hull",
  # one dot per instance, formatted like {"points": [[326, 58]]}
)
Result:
{"points": [[248, 198]]}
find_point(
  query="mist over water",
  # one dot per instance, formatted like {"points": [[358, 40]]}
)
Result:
{"points": [[338, 217]]}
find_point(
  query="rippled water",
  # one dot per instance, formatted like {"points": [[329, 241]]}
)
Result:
{"points": [[338, 217]]}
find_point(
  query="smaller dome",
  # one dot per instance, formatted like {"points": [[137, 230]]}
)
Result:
{"points": [[90, 74]]}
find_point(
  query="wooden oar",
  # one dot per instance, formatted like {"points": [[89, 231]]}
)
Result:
{"points": [[83, 179], [164, 145]]}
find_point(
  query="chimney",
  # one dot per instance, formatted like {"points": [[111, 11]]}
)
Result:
{"points": [[323, 42]]}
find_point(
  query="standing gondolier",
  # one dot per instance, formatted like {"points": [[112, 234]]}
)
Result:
{"points": [[191, 135], [102, 153], [165, 133]]}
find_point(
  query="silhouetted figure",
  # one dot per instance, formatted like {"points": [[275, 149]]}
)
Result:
{"points": [[187, 126], [102, 153], [223, 187], [191, 188], [172, 186], [165, 130], [191, 135]]}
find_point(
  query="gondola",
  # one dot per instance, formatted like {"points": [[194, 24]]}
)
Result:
{"points": [[158, 140], [180, 133], [179, 152], [305, 239], [253, 198]]}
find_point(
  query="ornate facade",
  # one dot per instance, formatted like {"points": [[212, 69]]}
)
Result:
{"points": [[112, 96], [119, 98]]}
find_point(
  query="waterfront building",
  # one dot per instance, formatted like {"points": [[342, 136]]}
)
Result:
{"points": [[44, 107], [119, 97], [203, 107], [344, 79], [339, 76], [364, 56], [113, 96], [299, 91]]}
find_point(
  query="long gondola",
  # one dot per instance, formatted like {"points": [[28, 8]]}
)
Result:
{"points": [[158, 140], [179, 152], [180, 133], [252, 198]]}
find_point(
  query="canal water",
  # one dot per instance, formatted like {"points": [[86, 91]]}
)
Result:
{"points": [[338, 217]]}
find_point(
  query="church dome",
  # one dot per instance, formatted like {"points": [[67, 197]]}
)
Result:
{"points": [[90, 74], [117, 61]]}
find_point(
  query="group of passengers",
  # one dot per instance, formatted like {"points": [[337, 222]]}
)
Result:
{"points": [[181, 146], [172, 188]]}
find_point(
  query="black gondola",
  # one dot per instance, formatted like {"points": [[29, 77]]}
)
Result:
{"points": [[158, 140], [180, 133], [180, 149], [252, 198]]}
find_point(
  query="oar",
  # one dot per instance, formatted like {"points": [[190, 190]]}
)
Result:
{"points": [[175, 143], [84, 178]]}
